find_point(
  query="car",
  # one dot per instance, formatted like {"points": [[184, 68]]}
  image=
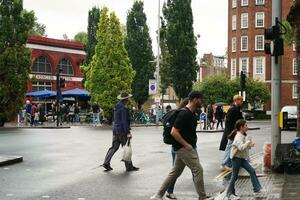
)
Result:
{"points": [[291, 120], [248, 115]]}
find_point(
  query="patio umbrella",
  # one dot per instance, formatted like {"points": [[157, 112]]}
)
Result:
{"points": [[41, 93], [75, 93]]}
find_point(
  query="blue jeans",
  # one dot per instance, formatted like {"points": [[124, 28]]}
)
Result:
{"points": [[170, 190], [226, 160], [96, 118], [237, 163]]}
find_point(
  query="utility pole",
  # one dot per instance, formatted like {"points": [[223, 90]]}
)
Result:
{"points": [[276, 86], [158, 62], [58, 95]]}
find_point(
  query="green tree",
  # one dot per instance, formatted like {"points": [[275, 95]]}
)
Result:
{"points": [[181, 43], [15, 58], [38, 29], [139, 48], [81, 37], [110, 70], [294, 19]]}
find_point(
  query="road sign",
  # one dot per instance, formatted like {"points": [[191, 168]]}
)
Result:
{"points": [[152, 87]]}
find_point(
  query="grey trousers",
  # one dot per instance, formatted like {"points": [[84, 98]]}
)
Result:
{"points": [[118, 139], [191, 160]]}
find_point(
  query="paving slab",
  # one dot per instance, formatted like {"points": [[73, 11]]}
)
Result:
{"points": [[9, 160]]}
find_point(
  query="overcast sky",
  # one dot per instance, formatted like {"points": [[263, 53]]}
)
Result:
{"points": [[70, 17]]}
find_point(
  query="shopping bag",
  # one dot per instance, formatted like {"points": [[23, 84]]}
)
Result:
{"points": [[127, 152]]}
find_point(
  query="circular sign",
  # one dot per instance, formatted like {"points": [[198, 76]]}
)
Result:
{"points": [[152, 87]]}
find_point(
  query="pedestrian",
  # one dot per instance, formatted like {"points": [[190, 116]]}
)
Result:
{"points": [[210, 117], [234, 113], [219, 116], [170, 191], [76, 113], [28, 112], [239, 154], [184, 132], [95, 109], [121, 132], [33, 111], [203, 119]]}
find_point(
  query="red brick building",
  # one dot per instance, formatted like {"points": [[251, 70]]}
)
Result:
{"points": [[247, 20], [211, 65], [47, 55]]}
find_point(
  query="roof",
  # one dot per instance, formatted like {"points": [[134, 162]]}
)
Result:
{"points": [[55, 42]]}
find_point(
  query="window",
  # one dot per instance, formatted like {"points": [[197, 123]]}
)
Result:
{"points": [[37, 86], [295, 91], [244, 2], [66, 67], [244, 63], [244, 43], [41, 65], [294, 46], [295, 66], [233, 3], [259, 19], [233, 22], [259, 43], [260, 2], [233, 68], [259, 65], [244, 20], [233, 44]]}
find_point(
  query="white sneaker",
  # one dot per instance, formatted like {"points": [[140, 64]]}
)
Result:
{"points": [[171, 196], [233, 197], [261, 192], [156, 197]]}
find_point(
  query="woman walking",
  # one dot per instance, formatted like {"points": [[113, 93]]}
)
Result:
{"points": [[239, 155]]}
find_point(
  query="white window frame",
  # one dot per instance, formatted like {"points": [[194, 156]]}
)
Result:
{"points": [[233, 44], [256, 43], [257, 2], [294, 91], [233, 22], [241, 65], [295, 72], [263, 64], [256, 19], [233, 3], [242, 37], [244, 19], [233, 68], [244, 2]]}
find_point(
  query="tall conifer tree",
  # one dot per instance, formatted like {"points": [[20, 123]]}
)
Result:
{"points": [[139, 48]]}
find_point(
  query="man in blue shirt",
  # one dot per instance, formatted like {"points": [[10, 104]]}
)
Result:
{"points": [[121, 132]]}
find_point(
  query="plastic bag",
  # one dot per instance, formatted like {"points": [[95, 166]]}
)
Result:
{"points": [[127, 152]]}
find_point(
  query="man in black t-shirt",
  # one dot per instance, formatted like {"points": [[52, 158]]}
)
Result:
{"points": [[184, 132]]}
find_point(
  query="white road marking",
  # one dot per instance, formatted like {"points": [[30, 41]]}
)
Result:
{"points": [[6, 168], [9, 195], [45, 197], [81, 199]]}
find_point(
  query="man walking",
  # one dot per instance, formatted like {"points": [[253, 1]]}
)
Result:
{"points": [[234, 114], [184, 132], [121, 132]]}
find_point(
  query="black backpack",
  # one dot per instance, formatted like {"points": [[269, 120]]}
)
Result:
{"points": [[168, 121]]}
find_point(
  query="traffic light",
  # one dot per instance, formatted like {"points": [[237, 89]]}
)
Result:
{"points": [[62, 82], [243, 81], [275, 47]]}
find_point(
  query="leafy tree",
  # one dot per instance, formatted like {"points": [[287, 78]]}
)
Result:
{"points": [[139, 48], [81, 37], [181, 43], [110, 70], [15, 58], [294, 19], [38, 29]]}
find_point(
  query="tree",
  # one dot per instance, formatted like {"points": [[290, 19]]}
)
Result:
{"points": [[93, 21], [38, 29], [222, 89], [110, 69], [15, 58], [294, 19], [139, 48], [81, 37], [181, 43]]}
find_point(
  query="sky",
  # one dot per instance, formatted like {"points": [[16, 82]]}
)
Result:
{"points": [[70, 17]]}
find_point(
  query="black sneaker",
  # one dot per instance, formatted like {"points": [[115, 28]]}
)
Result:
{"points": [[132, 169], [107, 167]]}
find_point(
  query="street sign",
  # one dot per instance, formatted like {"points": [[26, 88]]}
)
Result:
{"points": [[152, 87]]}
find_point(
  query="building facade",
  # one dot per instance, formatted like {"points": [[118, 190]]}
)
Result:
{"points": [[49, 54], [247, 20], [211, 65]]}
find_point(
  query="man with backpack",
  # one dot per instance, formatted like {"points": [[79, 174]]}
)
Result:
{"points": [[184, 133]]}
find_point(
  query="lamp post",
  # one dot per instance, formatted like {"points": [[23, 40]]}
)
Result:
{"points": [[158, 62]]}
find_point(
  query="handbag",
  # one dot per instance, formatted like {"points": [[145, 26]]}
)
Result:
{"points": [[127, 152]]}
